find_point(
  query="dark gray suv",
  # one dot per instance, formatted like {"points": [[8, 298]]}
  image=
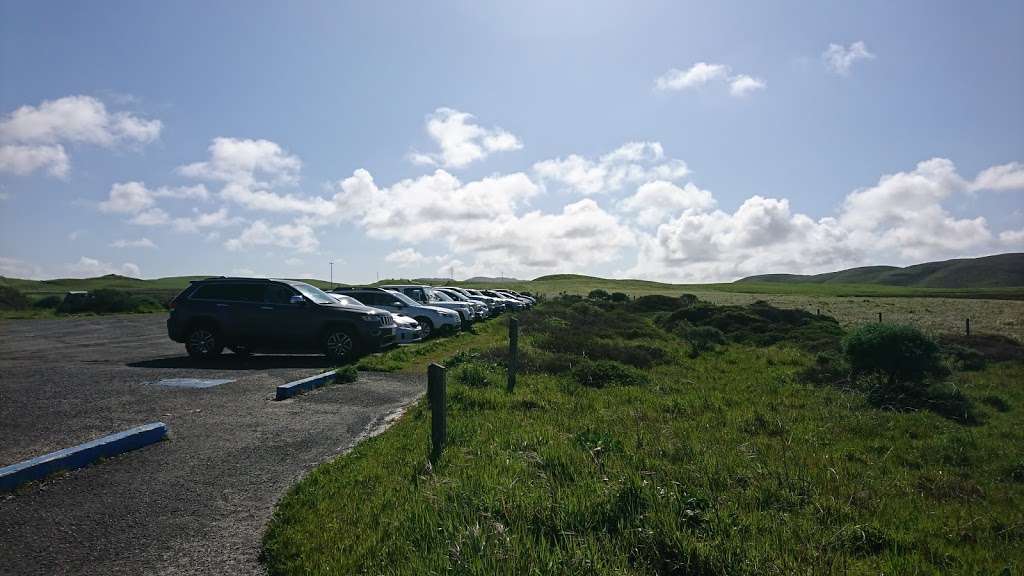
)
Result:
{"points": [[249, 315]]}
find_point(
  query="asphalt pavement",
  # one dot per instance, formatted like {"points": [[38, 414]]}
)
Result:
{"points": [[196, 503]]}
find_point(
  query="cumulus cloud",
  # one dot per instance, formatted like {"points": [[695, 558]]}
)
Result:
{"points": [[743, 85], [408, 257], [15, 268], [697, 75], [656, 201], [246, 162], [135, 197], [140, 243], [702, 73], [839, 59], [202, 220], [21, 159], [1003, 177], [899, 220], [632, 163], [87, 267], [461, 140], [298, 237], [32, 137]]}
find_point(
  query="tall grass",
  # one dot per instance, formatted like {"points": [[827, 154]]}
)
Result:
{"points": [[726, 463]]}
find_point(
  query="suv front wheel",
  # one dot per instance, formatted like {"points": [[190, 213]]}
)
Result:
{"points": [[203, 343], [339, 345]]}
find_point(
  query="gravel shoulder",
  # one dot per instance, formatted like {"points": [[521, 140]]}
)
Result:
{"points": [[196, 503]]}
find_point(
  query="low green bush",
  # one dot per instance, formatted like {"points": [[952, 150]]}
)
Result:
{"points": [[12, 299], [619, 297], [52, 301], [604, 373], [899, 352], [598, 294], [346, 374], [472, 375], [702, 339]]}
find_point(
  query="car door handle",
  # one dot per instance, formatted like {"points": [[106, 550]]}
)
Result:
{"points": [[266, 307]]}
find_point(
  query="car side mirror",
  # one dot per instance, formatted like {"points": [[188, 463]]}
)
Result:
{"points": [[296, 299], [398, 304]]}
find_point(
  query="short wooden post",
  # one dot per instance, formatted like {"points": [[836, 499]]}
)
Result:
{"points": [[513, 352], [819, 312], [879, 317], [968, 326], [437, 397]]}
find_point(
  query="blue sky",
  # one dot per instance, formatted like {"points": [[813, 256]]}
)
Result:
{"points": [[672, 141]]}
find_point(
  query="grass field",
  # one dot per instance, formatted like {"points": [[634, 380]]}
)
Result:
{"points": [[729, 462]]}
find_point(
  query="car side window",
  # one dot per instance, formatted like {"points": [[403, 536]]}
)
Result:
{"points": [[416, 294], [367, 298], [278, 294]]}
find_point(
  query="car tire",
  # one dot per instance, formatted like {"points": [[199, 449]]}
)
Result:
{"points": [[426, 326], [203, 342], [340, 345]]}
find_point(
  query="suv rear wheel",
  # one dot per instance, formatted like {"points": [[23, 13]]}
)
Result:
{"points": [[203, 342], [339, 345]]}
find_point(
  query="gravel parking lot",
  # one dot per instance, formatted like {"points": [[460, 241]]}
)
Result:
{"points": [[194, 504]]}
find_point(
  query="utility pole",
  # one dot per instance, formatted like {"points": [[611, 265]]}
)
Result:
{"points": [[332, 274]]}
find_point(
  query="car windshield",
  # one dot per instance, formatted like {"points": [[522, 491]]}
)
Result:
{"points": [[431, 295], [455, 295], [441, 296], [403, 298], [313, 293]]}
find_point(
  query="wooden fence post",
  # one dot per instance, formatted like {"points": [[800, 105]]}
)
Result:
{"points": [[968, 325], [513, 352], [879, 317], [437, 397]]}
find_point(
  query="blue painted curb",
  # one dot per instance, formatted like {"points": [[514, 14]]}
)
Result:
{"points": [[305, 385], [80, 456]]}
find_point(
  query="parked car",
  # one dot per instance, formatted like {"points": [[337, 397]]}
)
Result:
{"points": [[250, 315], [516, 296], [430, 318], [407, 330], [510, 303], [483, 310], [496, 306], [478, 309], [425, 295]]}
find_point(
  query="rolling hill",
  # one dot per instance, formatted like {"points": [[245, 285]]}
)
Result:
{"points": [[998, 271]]}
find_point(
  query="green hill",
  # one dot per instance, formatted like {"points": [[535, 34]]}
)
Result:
{"points": [[998, 271]]}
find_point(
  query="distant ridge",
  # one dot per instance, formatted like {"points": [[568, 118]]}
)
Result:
{"points": [[491, 279], [998, 271]]}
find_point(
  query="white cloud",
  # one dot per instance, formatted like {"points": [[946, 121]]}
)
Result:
{"points": [[1014, 238], [656, 201], [14, 268], [298, 237], [134, 197], [900, 220], [632, 163], [140, 243], [1003, 177], [246, 162], [697, 75], [201, 220], [32, 136], [87, 267], [840, 59], [407, 257], [742, 85], [461, 140], [151, 217], [294, 261], [267, 201], [21, 159]]}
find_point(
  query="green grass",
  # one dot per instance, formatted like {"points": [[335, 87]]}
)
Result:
{"points": [[722, 464]]}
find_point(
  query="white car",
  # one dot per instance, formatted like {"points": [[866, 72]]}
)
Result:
{"points": [[430, 318], [407, 330]]}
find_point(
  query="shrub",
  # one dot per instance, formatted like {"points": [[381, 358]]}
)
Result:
{"points": [[602, 373], [898, 352], [828, 368], [346, 374], [472, 375], [688, 300], [12, 299], [991, 347], [598, 294], [619, 297], [703, 338], [657, 303], [51, 301]]}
